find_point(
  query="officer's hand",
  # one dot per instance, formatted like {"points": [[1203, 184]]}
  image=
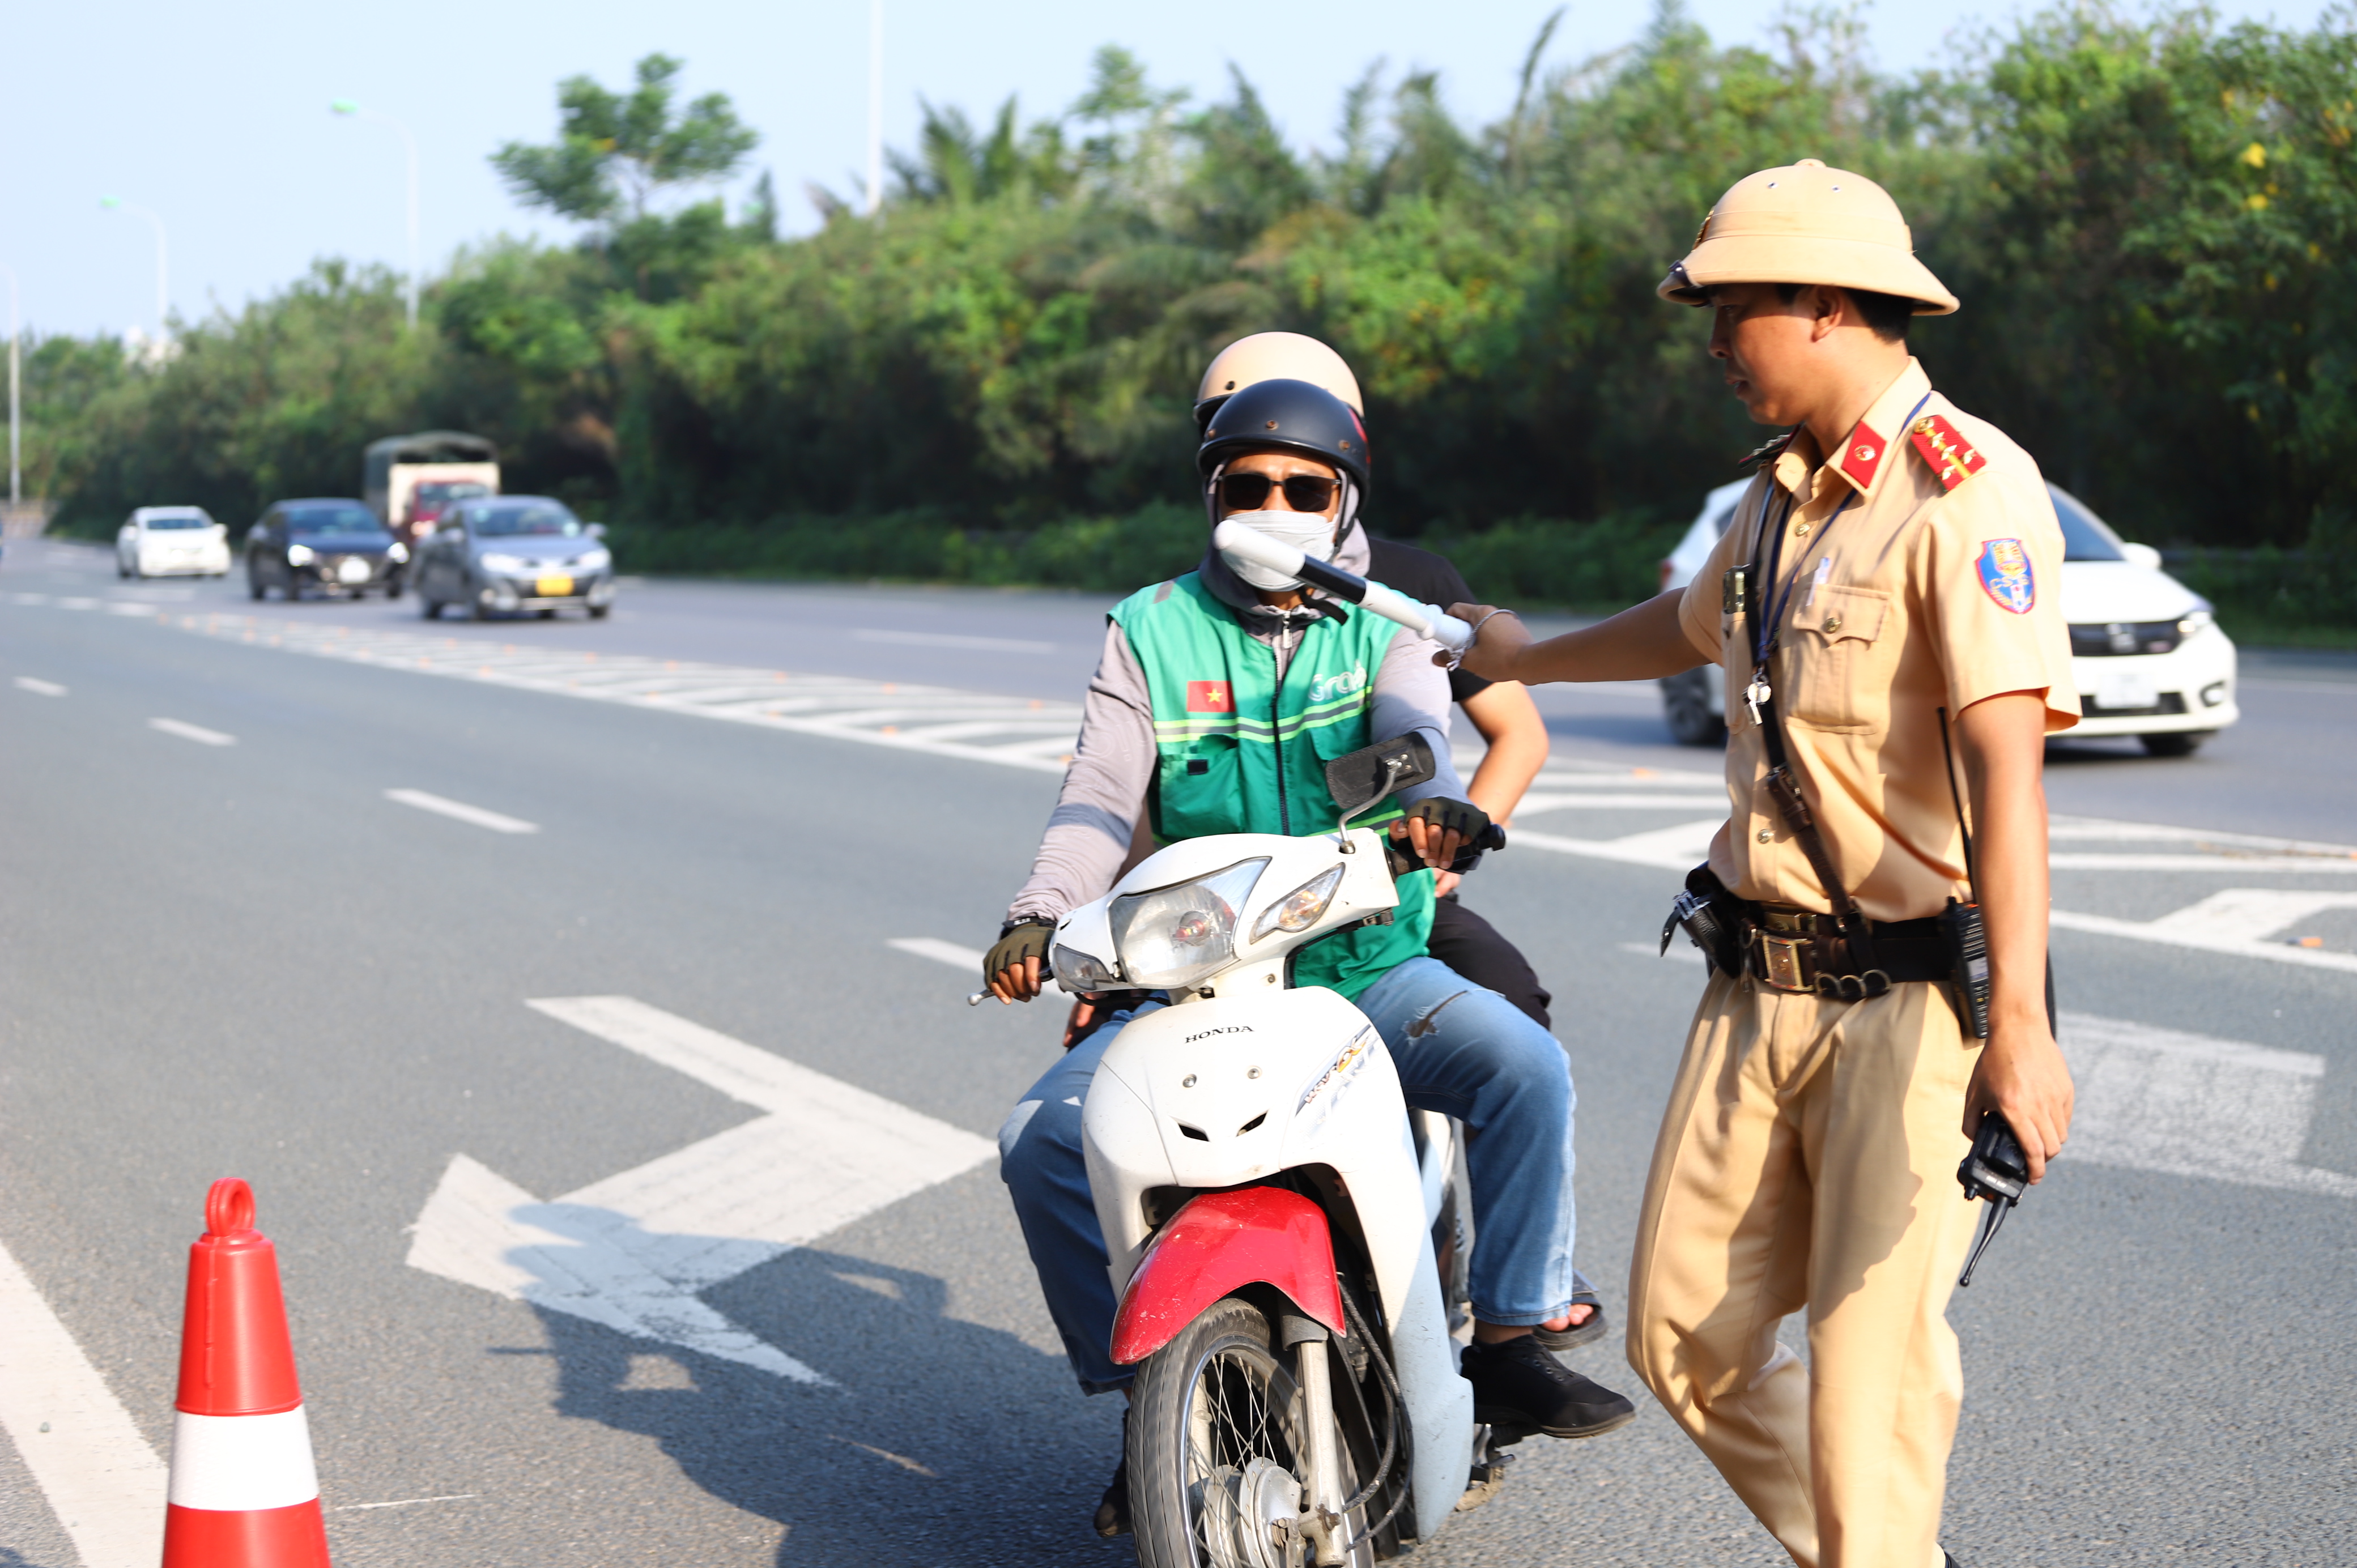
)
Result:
{"points": [[2022, 1077], [1012, 967], [1499, 641], [1437, 829]]}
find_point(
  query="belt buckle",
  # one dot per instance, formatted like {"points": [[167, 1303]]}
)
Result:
{"points": [[1781, 957]]}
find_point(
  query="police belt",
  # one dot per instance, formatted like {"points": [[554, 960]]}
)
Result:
{"points": [[1793, 950]]}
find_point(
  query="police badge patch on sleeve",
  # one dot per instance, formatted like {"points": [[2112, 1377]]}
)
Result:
{"points": [[2004, 572]]}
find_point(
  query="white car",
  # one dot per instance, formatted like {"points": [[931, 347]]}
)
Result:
{"points": [[2148, 657], [171, 541]]}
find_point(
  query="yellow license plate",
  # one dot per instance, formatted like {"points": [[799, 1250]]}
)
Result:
{"points": [[553, 587]]}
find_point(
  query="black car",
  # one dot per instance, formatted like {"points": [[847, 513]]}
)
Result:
{"points": [[506, 554], [325, 542]]}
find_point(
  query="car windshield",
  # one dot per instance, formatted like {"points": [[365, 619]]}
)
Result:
{"points": [[348, 518], [180, 519], [2083, 538], [508, 521], [442, 492]]}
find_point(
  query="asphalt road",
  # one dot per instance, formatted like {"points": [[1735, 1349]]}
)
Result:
{"points": [[245, 958]]}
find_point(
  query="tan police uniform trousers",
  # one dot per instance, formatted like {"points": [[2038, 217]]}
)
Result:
{"points": [[1808, 1158]]}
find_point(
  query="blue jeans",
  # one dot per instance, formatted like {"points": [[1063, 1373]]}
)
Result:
{"points": [[1460, 1050]]}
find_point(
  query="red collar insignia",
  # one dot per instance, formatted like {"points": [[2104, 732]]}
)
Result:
{"points": [[1861, 454], [1943, 445]]}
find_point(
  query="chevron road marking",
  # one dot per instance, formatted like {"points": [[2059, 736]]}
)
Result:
{"points": [[631, 1252]]}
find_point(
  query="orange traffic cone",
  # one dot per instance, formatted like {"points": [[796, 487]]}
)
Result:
{"points": [[244, 1491]]}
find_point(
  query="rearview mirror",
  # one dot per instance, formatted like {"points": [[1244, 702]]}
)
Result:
{"points": [[1364, 776], [594, 530], [2144, 555]]}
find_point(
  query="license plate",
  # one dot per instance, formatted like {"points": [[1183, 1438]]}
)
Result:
{"points": [[2126, 691], [553, 587]]}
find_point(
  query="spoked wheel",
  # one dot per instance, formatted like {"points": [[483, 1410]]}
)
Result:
{"points": [[1218, 1457]]}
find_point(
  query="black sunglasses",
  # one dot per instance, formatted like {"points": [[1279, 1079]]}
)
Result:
{"points": [[1249, 492]]}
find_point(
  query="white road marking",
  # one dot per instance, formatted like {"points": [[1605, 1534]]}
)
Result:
{"points": [[38, 687], [939, 951], [1673, 848], [461, 812], [102, 1481], [633, 1250], [2237, 920], [405, 1502], [1680, 950], [947, 640], [196, 733], [2162, 1100], [1037, 735], [1531, 804]]}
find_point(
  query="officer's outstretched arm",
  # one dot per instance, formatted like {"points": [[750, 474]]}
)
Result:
{"points": [[1639, 644], [2021, 1073]]}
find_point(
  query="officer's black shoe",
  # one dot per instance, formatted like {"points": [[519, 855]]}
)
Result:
{"points": [[1519, 1384], [1113, 1508], [1951, 1556]]}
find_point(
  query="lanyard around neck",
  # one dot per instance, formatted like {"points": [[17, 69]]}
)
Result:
{"points": [[1765, 633]]}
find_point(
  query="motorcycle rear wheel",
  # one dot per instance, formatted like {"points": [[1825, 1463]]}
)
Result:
{"points": [[1219, 1450]]}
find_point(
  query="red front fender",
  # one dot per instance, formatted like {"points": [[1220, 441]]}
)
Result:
{"points": [[1220, 1241]]}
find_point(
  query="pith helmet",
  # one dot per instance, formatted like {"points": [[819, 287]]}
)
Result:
{"points": [[1806, 223], [1274, 356]]}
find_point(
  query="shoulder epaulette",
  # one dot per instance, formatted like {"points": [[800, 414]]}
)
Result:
{"points": [[1941, 444], [1768, 448]]}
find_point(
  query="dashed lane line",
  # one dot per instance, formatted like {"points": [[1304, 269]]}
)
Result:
{"points": [[2247, 923], [104, 1484], [939, 951], [38, 687], [196, 733], [497, 822]]}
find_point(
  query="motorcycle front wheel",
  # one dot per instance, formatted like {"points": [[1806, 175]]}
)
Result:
{"points": [[1219, 1451]]}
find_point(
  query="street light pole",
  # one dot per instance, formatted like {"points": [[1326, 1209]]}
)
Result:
{"points": [[874, 105], [15, 399], [347, 107], [163, 263]]}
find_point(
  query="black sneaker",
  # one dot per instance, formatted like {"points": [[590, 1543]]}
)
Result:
{"points": [[1519, 1384], [1113, 1508]]}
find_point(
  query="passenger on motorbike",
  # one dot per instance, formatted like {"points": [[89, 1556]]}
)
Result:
{"points": [[1216, 703]]}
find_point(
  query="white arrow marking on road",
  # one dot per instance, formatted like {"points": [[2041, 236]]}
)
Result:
{"points": [[196, 733], [2238, 920], [633, 1250], [2187, 1104], [39, 688], [462, 812]]}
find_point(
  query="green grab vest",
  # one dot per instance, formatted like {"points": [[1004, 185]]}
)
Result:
{"points": [[1235, 754]]}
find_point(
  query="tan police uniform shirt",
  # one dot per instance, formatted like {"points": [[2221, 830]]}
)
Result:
{"points": [[1924, 565]]}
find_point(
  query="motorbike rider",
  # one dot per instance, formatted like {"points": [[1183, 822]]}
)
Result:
{"points": [[1217, 700], [1512, 733]]}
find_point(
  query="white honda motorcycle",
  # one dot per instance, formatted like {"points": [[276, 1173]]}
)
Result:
{"points": [[1288, 1241]]}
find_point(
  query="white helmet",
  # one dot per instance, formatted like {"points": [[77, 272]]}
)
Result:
{"points": [[1271, 357]]}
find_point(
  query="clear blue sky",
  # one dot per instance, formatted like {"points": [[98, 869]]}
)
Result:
{"points": [[216, 116]]}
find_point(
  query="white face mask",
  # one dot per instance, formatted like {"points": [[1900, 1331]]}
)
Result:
{"points": [[1306, 532]]}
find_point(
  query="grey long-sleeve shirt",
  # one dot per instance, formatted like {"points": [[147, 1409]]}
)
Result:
{"points": [[1088, 833]]}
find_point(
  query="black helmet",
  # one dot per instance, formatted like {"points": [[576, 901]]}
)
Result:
{"points": [[1291, 416]]}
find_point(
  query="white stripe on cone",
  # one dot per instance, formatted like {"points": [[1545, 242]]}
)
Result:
{"points": [[240, 1463]]}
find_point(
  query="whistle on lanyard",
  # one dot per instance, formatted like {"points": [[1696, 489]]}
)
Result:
{"points": [[1997, 1170]]}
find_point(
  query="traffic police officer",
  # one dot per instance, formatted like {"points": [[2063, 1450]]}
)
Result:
{"points": [[1889, 581]]}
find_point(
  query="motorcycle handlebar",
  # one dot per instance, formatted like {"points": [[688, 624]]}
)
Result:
{"points": [[1249, 546]]}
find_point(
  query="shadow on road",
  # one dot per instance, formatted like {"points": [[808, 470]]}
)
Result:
{"points": [[945, 1439]]}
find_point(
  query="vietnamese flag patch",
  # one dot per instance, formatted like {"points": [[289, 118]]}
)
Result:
{"points": [[1210, 697]]}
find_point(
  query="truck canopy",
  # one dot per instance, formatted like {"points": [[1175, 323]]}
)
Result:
{"points": [[425, 446]]}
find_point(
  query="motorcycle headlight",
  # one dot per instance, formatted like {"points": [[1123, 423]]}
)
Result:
{"points": [[593, 561], [1300, 909], [298, 556], [1083, 972], [1175, 936], [505, 564], [398, 552]]}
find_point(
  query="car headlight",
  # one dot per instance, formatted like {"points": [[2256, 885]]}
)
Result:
{"points": [[397, 553], [505, 564], [298, 556], [1175, 936], [2198, 621], [1300, 909], [1083, 972], [593, 561]]}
